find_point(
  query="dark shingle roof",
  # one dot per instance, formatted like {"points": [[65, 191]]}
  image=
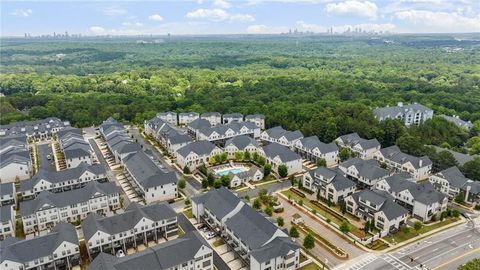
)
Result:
{"points": [[285, 154], [146, 172], [241, 142], [199, 147]]}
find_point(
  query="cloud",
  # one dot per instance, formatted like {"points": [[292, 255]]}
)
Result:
{"points": [[22, 12], [263, 29], [353, 7], [439, 22], [155, 17], [218, 15], [137, 24], [97, 30], [222, 4], [113, 11]]}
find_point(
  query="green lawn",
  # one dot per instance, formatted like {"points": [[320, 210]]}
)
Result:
{"points": [[401, 236], [188, 213]]}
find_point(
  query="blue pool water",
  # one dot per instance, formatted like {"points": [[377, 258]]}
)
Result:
{"points": [[232, 170]]}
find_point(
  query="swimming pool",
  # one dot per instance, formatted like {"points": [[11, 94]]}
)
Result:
{"points": [[230, 170]]}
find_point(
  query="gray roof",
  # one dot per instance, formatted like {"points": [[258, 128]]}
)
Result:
{"points": [[233, 115], [278, 132], [423, 192], [369, 169], [162, 256], [241, 142], [393, 153], [254, 116], [393, 111], [210, 114], [389, 207], [454, 177], [180, 138], [127, 220], [353, 139], [460, 157], [223, 128], [474, 187], [66, 198], [220, 201], [146, 172], [285, 154], [199, 123], [313, 142], [7, 189], [13, 149], [6, 213], [334, 177], [280, 246], [198, 147], [457, 121], [29, 126], [189, 114], [23, 251]]}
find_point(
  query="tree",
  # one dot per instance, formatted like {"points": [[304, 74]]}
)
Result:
{"points": [[366, 228], [238, 155], [225, 179], [471, 265], [267, 169], [471, 169], [186, 170], [443, 160], [187, 201], [280, 221], [212, 160], [294, 232], [418, 226], [181, 183], [269, 211], [343, 207], [283, 170], [345, 227], [318, 195], [247, 156], [321, 162], [460, 198], [344, 154], [223, 157], [257, 204], [210, 179], [309, 242], [217, 183], [247, 198], [455, 213], [261, 161], [205, 183], [410, 144]]}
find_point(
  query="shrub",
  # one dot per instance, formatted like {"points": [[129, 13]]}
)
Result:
{"points": [[309, 242], [269, 211], [204, 183], [280, 221], [321, 162], [294, 232], [247, 198], [186, 170], [406, 230], [187, 201], [267, 169], [217, 183], [257, 204], [417, 226], [283, 170], [345, 227], [455, 213], [181, 183]]}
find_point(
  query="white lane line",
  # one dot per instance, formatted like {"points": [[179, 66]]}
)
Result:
{"points": [[448, 251]]}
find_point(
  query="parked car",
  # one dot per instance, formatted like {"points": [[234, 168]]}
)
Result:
{"points": [[201, 226], [211, 235], [49, 157], [120, 253], [205, 229]]}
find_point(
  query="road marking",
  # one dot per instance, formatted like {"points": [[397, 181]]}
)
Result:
{"points": [[446, 238], [454, 259], [448, 251]]}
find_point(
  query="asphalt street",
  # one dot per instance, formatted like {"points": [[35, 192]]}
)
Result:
{"points": [[98, 153], [44, 150]]}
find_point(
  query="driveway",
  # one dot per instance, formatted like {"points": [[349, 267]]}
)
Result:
{"points": [[44, 150], [98, 153]]}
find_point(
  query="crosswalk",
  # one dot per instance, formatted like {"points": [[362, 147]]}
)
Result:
{"points": [[365, 262], [395, 262]]}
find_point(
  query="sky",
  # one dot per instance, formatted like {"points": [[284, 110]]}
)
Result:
{"points": [[203, 17]]}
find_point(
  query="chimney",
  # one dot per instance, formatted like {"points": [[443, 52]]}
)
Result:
{"points": [[400, 104]]}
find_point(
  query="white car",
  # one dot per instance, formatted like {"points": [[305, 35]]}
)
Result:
{"points": [[211, 235]]}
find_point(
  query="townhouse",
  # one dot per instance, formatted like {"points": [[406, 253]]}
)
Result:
{"points": [[188, 252], [35, 130], [15, 159], [117, 140], [457, 121], [365, 172], [378, 207], [196, 154], [197, 124], [365, 149], [220, 133], [151, 182], [418, 167], [451, 182], [186, 118], [258, 119], [331, 185], [232, 118], [8, 194], [312, 149], [57, 249], [276, 155], [7, 221], [59, 181], [281, 136], [256, 239], [74, 147], [47, 209], [214, 118], [253, 174], [136, 225], [421, 199], [242, 144], [170, 137], [409, 114], [169, 117]]}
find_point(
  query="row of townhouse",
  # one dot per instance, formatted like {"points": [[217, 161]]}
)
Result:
{"points": [[36, 130], [15, 159], [451, 182], [363, 148], [409, 114], [214, 118], [7, 221], [220, 133], [136, 225], [366, 173], [281, 136], [260, 243], [329, 184], [421, 199], [59, 181], [74, 147], [312, 149], [393, 157], [276, 154], [148, 179], [169, 136], [188, 252], [196, 154], [47, 209], [117, 140], [59, 249], [458, 122], [8, 194]]}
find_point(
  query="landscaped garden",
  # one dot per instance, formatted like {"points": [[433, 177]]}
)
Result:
{"points": [[407, 232]]}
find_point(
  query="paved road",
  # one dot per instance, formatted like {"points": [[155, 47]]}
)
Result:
{"points": [[273, 187], [44, 150], [187, 227], [99, 154]]}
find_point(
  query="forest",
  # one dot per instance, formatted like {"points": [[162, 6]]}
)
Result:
{"points": [[322, 85]]}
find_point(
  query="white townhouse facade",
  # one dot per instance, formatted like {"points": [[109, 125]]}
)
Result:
{"points": [[410, 114], [188, 252], [7, 221], [8, 194], [331, 185], [169, 117], [137, 225], [418, 167], [365, 172], [242, 144], [74, 147], [421, 199], [35, 130], [214, 118], [169, 136], [258, 119], [312, 149], [232, 118], [61, 252], [379, 207], [260, 243], [451, 182], [15, 159], [47, 209], [220, 133], [153, 183], [276, 155], [59, 181], [281, 136], [186, 118], [196, 154], [365, 149], [253, 174]]}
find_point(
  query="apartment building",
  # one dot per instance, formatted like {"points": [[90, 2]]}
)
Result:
{"points": [[196, 154], [409, 114], [186, 118], [365, 149], [232, 118], [136, 225], [7, 221], [35, 130], [418, 167], [258, 119], [169, 117], [255, 239], [451, 182], [365, 172], [59, 249], [48, 208], [281, 136], [8, 194], [214, 118], [329, 184], [457, 121], [15, 159], [311, 148], [276, 155]]}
